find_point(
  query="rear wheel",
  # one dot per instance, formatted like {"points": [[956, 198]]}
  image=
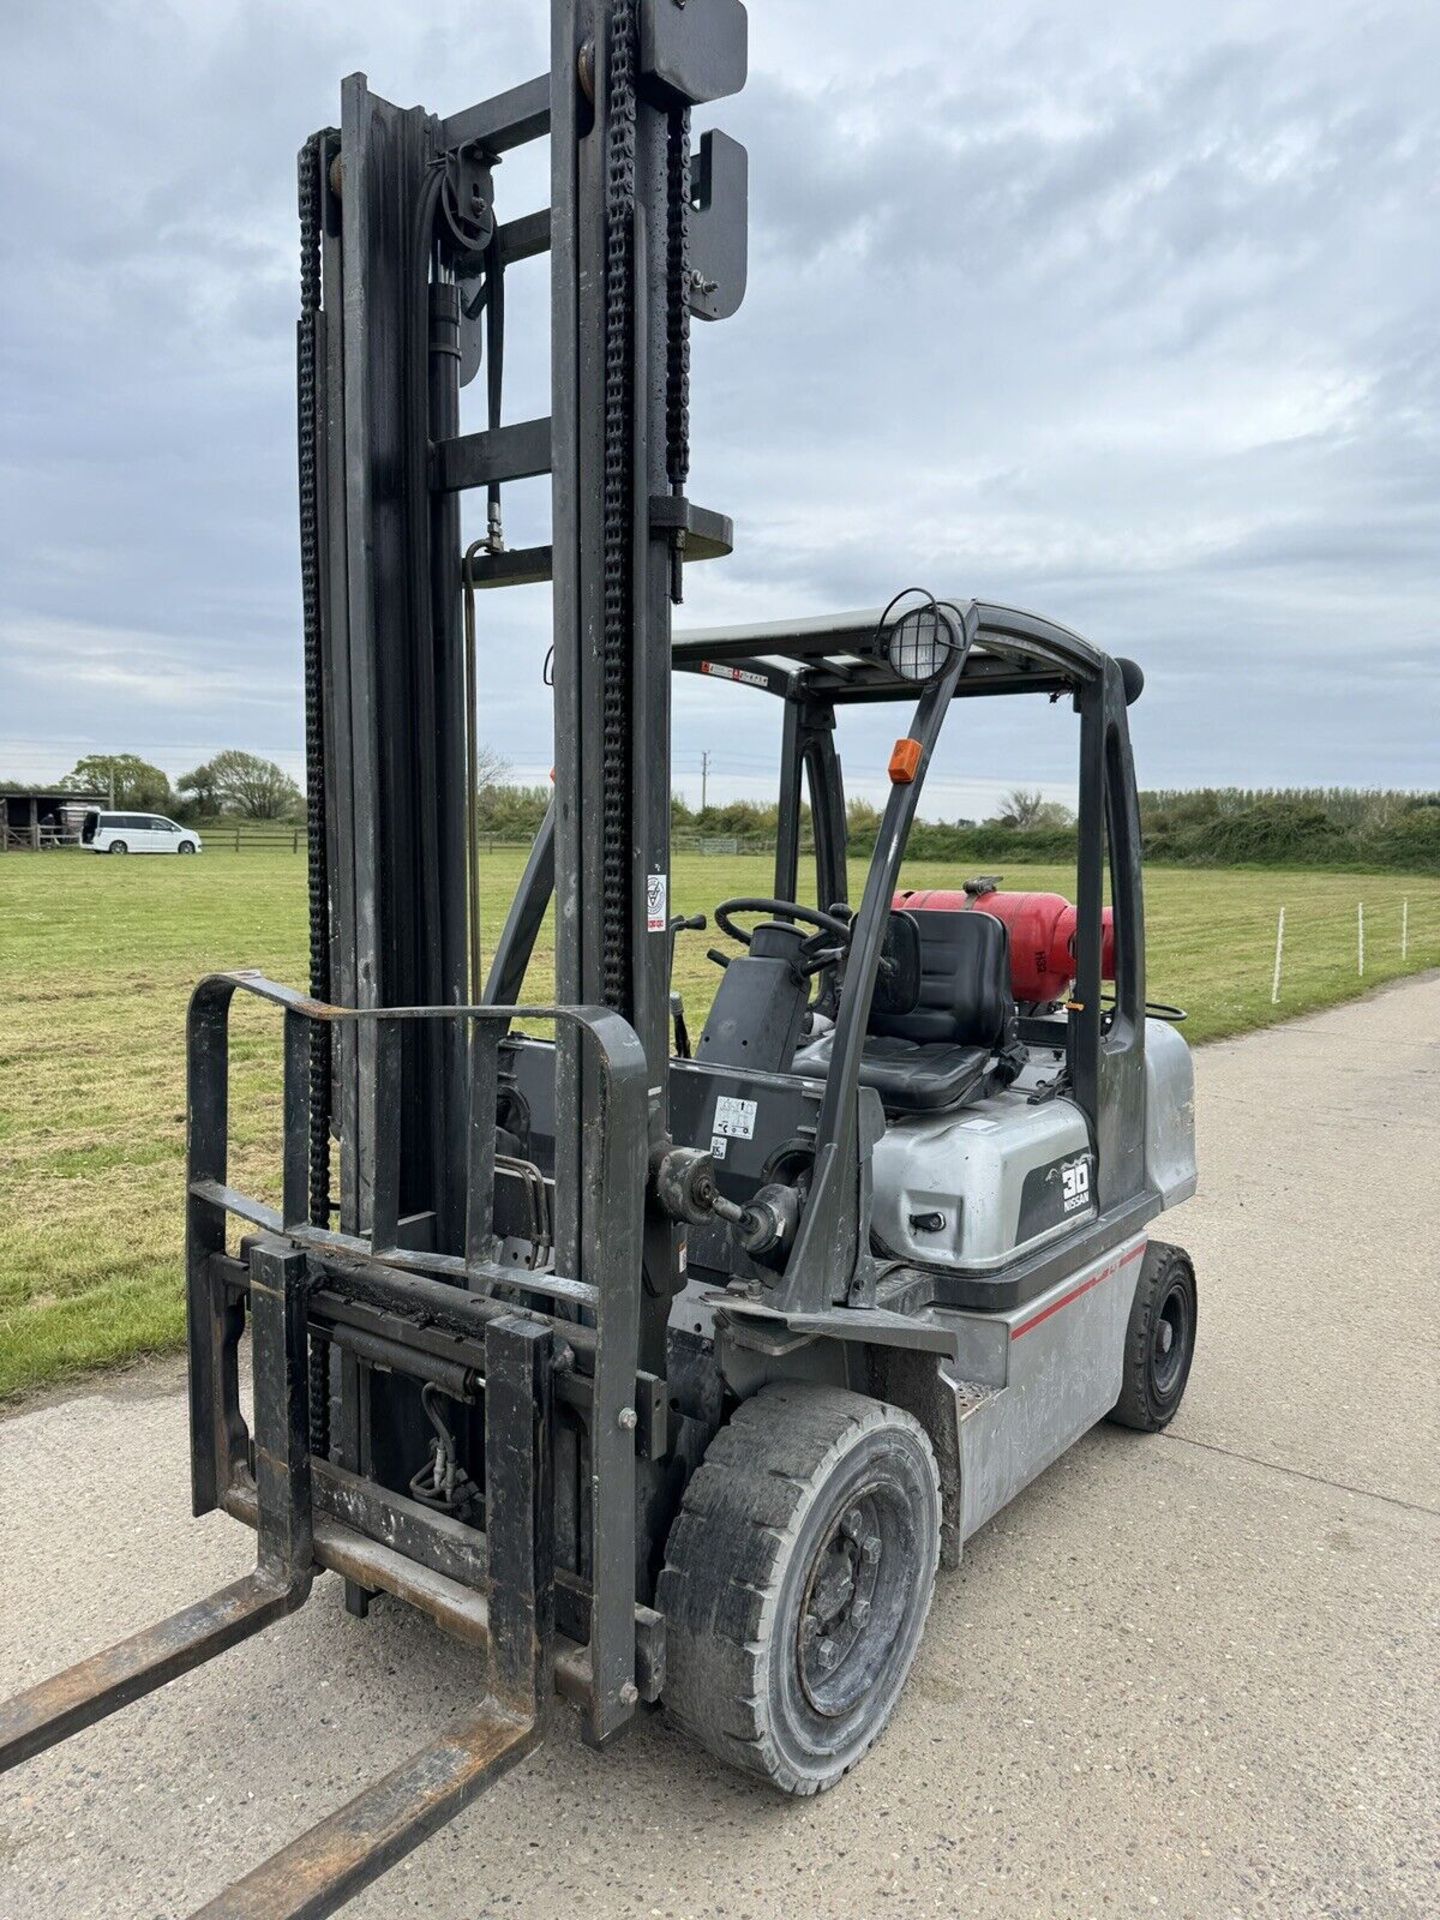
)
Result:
{"points": [[797, 1579], [118, 846], [1159, 1341]]}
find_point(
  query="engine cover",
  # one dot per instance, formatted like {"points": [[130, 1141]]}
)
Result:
{"points": [[972, 1189]]}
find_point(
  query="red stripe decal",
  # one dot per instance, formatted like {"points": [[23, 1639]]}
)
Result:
{"points": [[1075, 1292]]}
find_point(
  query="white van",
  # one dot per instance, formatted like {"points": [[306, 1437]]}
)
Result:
{"points": [[136, 833]]}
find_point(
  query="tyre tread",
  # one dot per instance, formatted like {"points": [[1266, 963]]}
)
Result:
{"points": [[725, 1559], [1136, 1406]]}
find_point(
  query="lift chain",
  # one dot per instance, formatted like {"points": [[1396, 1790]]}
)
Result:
{"points": [[311, 186], [677, 322], [616, 532]]}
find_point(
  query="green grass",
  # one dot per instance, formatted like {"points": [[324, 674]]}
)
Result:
{"points": [[99, 956]]}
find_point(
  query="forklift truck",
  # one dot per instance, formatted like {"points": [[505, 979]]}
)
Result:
{"points": [[658, 1376]]}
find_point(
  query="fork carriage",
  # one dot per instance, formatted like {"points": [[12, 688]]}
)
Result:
{"points": [[524, 1359]]}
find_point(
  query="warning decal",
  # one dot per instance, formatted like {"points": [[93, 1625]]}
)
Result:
{"points": [[657, 912], [734, 1119], [743, 675]]}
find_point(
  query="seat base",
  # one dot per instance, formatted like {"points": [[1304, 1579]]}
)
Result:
{"points": [[931, 1076]]}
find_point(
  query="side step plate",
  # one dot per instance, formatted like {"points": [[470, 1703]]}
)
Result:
{"points": [[107, 1681], [327, 1866]]}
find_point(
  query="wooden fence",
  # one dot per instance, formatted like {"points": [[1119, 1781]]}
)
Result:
{"points": [[251, 836]]}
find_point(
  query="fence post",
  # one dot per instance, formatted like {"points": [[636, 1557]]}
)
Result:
{"points": [[1360, 936], [1279, 954], [1405, 928]]}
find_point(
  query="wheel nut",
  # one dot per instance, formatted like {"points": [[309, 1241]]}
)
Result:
{"points": [[826, 1654], [870, 1548], [850, 1526], [860, 1612], [809, 1627]]}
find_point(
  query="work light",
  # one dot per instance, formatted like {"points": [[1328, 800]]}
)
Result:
{"points": [[918, 643]]}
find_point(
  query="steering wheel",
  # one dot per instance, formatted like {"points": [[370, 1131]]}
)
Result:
{"points": [[815, 956]]}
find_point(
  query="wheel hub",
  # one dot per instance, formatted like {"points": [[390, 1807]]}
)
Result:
{"points": [[1167, 1350], [839, 1607]]}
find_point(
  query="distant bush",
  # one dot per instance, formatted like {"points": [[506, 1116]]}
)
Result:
{"points": [[512, 813], [1209, 826], [1219, 827], [1320, 826]]}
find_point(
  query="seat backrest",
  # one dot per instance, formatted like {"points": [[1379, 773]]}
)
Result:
{"points": [[965, 996]]}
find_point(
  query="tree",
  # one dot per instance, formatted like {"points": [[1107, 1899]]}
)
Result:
{"points": [[199, 787], [491, 767], [256, 789], [512, 813], [1026, 807], [124, 778]]}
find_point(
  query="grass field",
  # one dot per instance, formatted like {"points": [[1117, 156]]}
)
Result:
{"points": [[99, 956]]}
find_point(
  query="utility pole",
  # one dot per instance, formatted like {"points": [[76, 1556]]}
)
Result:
{"points": [[111, 767], [704, 779]]}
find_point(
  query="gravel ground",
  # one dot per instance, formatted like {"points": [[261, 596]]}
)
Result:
{"points": [[1192, 1676]]}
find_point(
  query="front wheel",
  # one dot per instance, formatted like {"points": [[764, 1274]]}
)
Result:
{"points": [[118, 846], [797, 1579], [1159, 1341], [186, 846]]}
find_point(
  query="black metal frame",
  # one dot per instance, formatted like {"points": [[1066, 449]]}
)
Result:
{"points": [[819, 664]]}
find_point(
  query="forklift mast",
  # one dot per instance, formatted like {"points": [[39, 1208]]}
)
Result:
{"points": [[404, 266]]}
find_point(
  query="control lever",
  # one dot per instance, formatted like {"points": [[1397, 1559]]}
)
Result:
{"points": [[682, 1032], [681, 923]]}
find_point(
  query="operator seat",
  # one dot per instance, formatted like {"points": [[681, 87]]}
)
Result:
{"points": [[957, 1043]]}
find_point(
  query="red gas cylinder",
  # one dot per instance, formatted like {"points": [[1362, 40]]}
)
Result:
{"points": [[1042, 935]]}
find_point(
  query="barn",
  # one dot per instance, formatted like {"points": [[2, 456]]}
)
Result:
{"points": [[32, 819]]}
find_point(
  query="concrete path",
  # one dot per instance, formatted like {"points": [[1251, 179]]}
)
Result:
{"points": [[1189, 1676]]}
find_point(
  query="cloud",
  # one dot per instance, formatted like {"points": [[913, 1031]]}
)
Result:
{"points": [[110, 662], [1128, 317]]}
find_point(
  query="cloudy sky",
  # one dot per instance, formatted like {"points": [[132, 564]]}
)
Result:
{"points": [[1128, 315]]}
